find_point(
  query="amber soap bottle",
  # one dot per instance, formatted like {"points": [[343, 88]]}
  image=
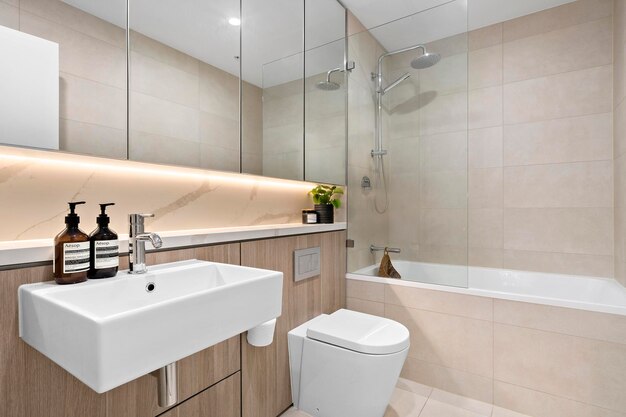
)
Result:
{"points": [[71, 251], [105, 258]]}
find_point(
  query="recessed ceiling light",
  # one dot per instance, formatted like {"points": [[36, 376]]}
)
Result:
{"points": [[235, 21]]}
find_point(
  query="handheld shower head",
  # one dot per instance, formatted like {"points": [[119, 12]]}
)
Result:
{"points": [[426, 60]]}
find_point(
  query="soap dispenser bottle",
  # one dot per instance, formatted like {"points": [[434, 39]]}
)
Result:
{"points": [[104, 255], [71, 251]]}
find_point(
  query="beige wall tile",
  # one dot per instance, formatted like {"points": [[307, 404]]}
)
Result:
{"points": [[90, 139], [485, 228], [9, 16], [219, 92], [559, 263], [584, 138], [446, 254], [485, 37], [219, 131], [448, 379], [555, 18], [451, 341], [479, 308], [446, 113], [536, 403], [485, 147], [365, 290], [151, 48], [485, 257], [443, 227], [619, 130], [91, 102], [443, 152], [569, 94], [443, 189], [485, 107], [580, 184], [219, 158], [566, 366], [364, 306], [450, 75], [404, 156], [152, 77], [485, 188], [149, 147], [62, 13], [567, 49], [79, 54], [569, 321], [566, 230], [164, 118], [485, 67]]}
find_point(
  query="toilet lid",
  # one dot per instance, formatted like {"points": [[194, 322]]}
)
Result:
{"points": [[360, 332]]}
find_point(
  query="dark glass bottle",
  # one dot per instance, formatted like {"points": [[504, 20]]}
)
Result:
{"points": [[104, 254], [71, 251]]}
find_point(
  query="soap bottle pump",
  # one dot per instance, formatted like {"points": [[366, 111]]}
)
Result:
{"points": [[104, 254], [71, 251]]}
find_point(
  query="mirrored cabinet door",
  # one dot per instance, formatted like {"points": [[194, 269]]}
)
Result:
{"points": [[63, 76], [273, 90], [325, 92], [184, 83]]}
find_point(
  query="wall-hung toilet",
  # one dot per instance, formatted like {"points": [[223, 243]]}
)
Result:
{"points": [[346, 364]]}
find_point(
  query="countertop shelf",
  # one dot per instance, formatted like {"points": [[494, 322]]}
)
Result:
{"points": [[41, 250]]}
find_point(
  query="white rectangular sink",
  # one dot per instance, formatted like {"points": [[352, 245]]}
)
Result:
{"points": [[111, 331]]}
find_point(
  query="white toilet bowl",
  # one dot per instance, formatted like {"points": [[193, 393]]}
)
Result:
{"points": [[346, 364]]}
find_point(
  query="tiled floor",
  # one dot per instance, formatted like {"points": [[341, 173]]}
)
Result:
{"points": [[412, 400]]}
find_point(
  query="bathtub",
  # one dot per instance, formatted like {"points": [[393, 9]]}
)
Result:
{"points": [[603, 295]]}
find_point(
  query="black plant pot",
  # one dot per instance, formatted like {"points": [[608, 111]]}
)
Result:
{"points": [[325, 213]]}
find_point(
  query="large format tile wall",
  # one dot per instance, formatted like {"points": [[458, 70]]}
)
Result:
{"points": [[183, 111], [283, 133], [427, 142], [366, 226], [540, 141], [534, 359], [619, 134], [501, 154]]}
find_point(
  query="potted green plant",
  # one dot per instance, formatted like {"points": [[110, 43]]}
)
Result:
{"points": [[326, 200]]}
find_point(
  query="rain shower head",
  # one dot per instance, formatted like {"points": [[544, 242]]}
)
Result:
{"points": [[327, 84], [426, 60]]}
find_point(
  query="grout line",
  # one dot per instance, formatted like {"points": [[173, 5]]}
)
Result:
{"points": [[572, 116]]}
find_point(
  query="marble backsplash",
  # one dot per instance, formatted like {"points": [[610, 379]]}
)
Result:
{"points": [[35, 187]]}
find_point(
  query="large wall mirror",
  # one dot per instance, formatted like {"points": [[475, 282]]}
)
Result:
{"points": [[224, 85]]}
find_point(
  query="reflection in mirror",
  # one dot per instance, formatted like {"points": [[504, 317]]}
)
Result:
{"points": [[184, 83], [325, 92], [272, 100], [66, 86]]}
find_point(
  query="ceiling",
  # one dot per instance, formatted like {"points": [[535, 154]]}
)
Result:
{"points": [[272, 30]]}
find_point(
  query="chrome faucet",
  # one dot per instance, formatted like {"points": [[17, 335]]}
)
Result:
{"points": [[137, 243]]}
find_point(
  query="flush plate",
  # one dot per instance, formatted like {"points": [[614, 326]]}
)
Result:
{"points": [[306, 263]]}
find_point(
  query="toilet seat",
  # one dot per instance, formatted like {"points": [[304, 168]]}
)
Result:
{"points": [[360, 332]]}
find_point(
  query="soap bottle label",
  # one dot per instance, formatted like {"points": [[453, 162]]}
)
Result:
{"points": [[75, 257], [106, 254]]}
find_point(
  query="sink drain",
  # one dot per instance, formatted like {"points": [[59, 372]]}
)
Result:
{"points": [[150, 287]]}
